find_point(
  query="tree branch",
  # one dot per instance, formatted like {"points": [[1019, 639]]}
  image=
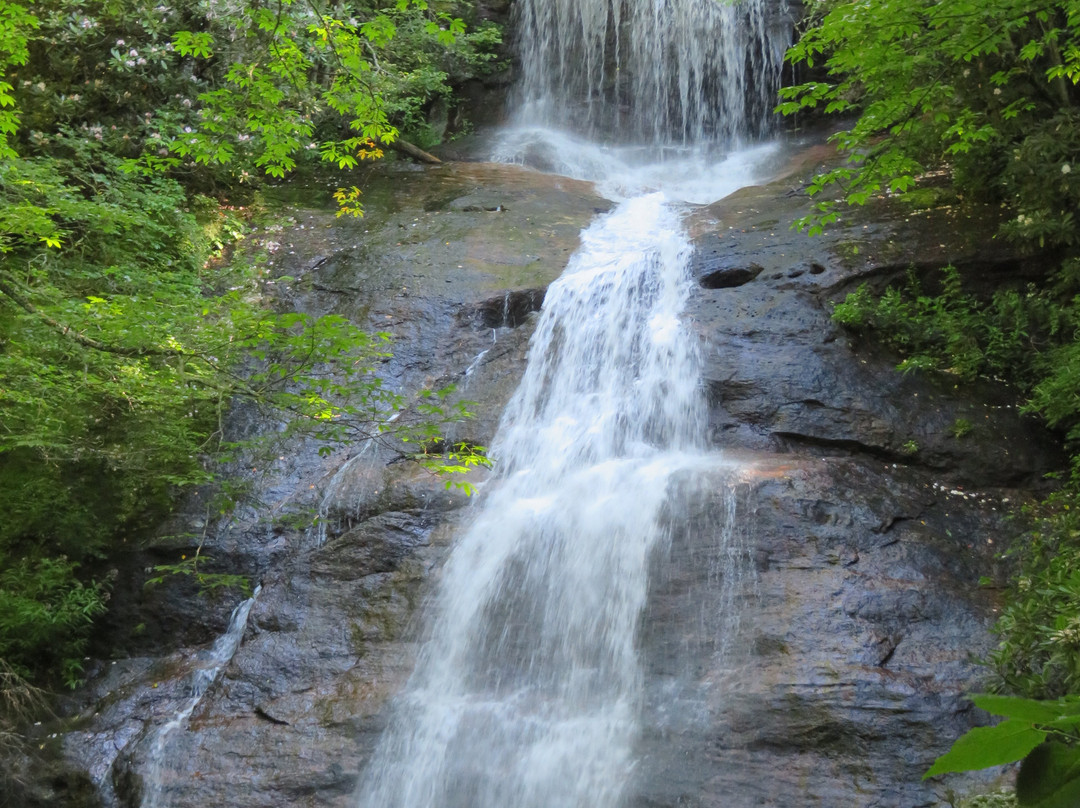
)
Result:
{"points": [[66, 331], [238, 386]]}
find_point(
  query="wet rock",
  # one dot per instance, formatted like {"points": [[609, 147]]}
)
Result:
{"points": [[811, 620], [858, 616], [781, 375], [510, 310], [345, 545], [42, 780]]}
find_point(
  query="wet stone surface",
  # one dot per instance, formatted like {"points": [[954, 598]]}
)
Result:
{"points": [[811, 621]]}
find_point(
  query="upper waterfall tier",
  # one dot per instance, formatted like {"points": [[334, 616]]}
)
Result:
{"points": [[666, 72]]}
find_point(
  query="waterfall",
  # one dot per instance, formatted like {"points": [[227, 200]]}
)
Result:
{"points": [[528, 689], [640, 95], [660, 72]]}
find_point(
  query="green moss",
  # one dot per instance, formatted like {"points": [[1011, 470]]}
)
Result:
{"points": [[999, 799]]}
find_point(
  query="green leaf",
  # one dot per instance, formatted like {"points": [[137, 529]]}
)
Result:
{"points": [[983, 747], [1030, 710], [1049, 777]]}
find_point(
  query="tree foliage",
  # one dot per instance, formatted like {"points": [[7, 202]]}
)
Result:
{"points": [[1042, 734], [986, 88], [126, 337]]}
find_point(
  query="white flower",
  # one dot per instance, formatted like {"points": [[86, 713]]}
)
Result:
{"points": [[1066, 168], [997, 91], [119, 43]]}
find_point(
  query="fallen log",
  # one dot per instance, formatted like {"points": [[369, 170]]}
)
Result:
{"points": [[415, 152]]}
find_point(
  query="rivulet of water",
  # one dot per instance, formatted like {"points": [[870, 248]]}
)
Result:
{"points": [[527, 691], [208, 665], [670, 72]]}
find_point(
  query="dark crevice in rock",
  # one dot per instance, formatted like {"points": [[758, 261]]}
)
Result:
{"points": [[892, 522], [888, 648], [730, 277], [333, 290], [981, 275], [483, 209], [508, 310], [813, 736], [265, 716], [794, 440]]}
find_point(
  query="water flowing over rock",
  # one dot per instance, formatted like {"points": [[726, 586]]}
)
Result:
{"points": [[665, 72], [728, 557], [154, 793], [528, 688], [812, 603]]}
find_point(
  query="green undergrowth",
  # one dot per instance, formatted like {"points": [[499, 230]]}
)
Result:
{"points": [[999, 799]]}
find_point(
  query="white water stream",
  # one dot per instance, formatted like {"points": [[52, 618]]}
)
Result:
{"points": [[656, 72], [528, 690], [208, 665]]}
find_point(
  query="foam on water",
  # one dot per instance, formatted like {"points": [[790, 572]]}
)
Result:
{"points": [[695, 176]]}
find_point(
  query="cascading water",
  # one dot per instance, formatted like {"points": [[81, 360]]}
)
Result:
{"points": [[528, 691], [659, 72], [640, 95]]}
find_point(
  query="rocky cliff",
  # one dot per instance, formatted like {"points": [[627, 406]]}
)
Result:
{"points": [[822, 662]]}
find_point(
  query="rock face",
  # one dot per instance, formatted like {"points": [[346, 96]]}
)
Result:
{"points": [[817, 656]]}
